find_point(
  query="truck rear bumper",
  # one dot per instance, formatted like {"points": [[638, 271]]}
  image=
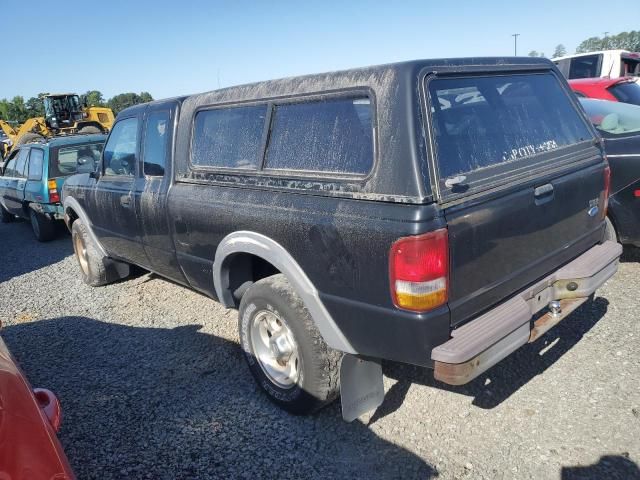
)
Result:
{"points": [[484, 341]]}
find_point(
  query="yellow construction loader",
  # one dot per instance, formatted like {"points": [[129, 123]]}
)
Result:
{"points": [[64, 115]]}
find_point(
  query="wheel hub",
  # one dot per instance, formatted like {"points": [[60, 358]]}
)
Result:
{"points": [[281, 347], [275, 349]]}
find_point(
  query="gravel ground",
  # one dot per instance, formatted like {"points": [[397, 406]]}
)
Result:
{"points": [[153, 385]]}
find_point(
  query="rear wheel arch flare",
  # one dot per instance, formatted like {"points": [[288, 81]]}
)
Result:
{"points": [[70, 204], [611, 229], [240, 270], [73, 216], [240, 247]]}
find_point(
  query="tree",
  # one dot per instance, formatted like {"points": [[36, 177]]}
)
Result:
{"points": [[4, 109], [146, 97], [35, 106], [624, 40], [560, 51], [591, 44], [534, 53], [94, 98], [125, 100], [17, 111]]}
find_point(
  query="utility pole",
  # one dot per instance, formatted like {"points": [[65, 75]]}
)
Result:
{"points": [[515, 43], [605, 44]]}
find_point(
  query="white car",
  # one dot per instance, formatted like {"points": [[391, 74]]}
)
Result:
{"points": [[606, 63]]}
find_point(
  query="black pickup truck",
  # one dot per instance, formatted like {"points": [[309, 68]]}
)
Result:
{"points": [[441, 213]]}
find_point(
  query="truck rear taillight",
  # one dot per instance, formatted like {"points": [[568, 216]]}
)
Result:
{"points": [[54, 196], [607, 189], [419, 271]]}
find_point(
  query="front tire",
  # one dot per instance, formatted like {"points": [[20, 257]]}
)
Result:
{"points": [[90, 260], [284, 349], [43, 227]]}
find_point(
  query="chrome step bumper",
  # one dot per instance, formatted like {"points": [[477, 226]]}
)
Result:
{"points": [[484, 341]]}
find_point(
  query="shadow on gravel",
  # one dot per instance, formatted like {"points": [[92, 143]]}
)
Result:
{"points": [[177, 403], [21, 253], [630, 254], [610, 467], [502, 380]]}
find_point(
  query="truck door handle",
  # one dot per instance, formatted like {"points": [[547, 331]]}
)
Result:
{"points": [[453, 181], [125, 201], [543, 190]]}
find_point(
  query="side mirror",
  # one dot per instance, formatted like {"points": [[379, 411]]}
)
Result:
{"points": [[94, 174]]}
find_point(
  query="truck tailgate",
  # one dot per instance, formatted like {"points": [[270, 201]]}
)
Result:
{"points": [[520, 179], [502, 243]]}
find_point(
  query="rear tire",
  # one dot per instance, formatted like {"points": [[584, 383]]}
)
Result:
{"points": [[43, 227], [90, 260], [272, 304], [90, 129], [5, 216], [30, 138], [609, 230]]}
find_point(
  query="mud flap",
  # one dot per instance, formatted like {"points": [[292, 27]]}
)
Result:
{"points": [[115, 270], [361, 386]]}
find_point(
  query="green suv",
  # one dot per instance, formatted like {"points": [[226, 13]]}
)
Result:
{"points": [[32, 176]]}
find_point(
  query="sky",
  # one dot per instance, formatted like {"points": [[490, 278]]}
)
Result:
{"points": [[177, 47]]}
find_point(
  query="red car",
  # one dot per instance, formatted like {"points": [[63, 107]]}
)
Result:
{"points": [[29, 420], [624, 89]]}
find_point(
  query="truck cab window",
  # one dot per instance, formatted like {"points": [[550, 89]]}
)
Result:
{"points": [[155, 143], [120, 151]]}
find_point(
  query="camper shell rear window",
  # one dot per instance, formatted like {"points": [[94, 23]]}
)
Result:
{"points": [[480, 122]]}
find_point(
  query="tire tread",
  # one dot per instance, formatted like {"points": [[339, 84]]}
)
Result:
{"points": [[325, 386], [46, 227], [97, 269]]}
